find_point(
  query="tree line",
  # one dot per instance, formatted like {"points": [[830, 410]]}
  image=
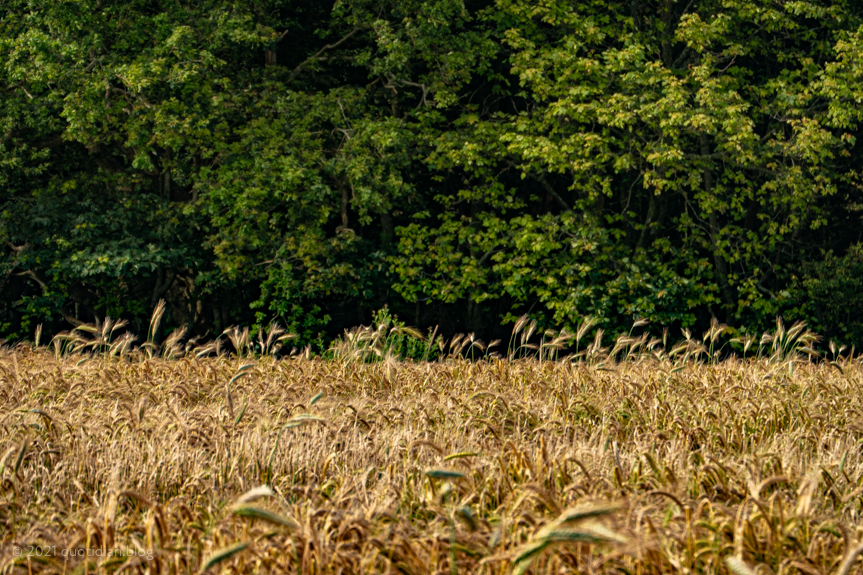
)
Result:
{"points": [[461, 162]]}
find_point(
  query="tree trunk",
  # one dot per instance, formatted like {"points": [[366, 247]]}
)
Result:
{"points": [[651, 213], [387, 228], [344, 207]]}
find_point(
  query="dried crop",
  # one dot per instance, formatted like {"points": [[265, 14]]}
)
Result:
{"points": [[634, 461]]}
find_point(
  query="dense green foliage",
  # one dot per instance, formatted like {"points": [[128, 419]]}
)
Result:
{"points": [[463, 162]]}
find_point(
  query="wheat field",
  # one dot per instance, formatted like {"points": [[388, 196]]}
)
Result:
{"points": [[629, 460]]}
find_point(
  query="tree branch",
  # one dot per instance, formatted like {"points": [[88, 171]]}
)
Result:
{"points": [[541, 179], [296, 71], [423, 87], [32, 275], [487, 255], [17, 249]]}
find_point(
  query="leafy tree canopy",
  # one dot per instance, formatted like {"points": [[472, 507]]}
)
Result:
{"points": [[463, 162]]}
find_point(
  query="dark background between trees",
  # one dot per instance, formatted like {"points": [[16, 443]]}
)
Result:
{"points": [[461, 162]]}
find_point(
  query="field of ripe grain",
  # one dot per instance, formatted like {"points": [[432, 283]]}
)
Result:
{"points": [[148, 465]]}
